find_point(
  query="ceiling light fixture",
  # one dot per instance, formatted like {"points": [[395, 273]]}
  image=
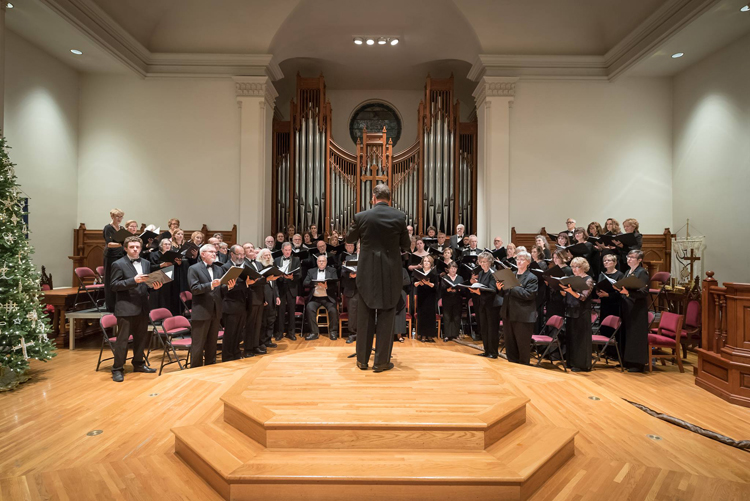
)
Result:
{"points": [[394, 41], [9, 5], [370, 41], [382, 41], [76, 52], [745, 8], [358, 40], [677, 55]]}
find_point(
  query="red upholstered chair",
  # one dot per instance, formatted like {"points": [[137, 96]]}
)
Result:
{"points": [[91, 289], [692, 328], [176, 330], [472, 316], [186, 298], [548, 337], [100, 272], [597, 339], [409, 318], [107, 324], [667, 336], [157, 317], [663, 278]]}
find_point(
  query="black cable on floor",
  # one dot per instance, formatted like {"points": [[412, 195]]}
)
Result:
{"points": [[739, 444]]}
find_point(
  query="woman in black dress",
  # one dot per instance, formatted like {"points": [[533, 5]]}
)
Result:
{"points": [[541, 241], [488, 311], [582, 238], [180, 266], [448, 258], [630, 226], [426, 293], [635, 316], [510, 253], [563, 240], [578, 319], [452, 303], [168, 296], [555, 300], [112, 252], [609, 305]]}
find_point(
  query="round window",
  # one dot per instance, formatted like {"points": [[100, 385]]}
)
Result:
{"points": [[375, 115]]}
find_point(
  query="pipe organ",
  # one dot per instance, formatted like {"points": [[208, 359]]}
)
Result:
{"points": [[316, 181]]}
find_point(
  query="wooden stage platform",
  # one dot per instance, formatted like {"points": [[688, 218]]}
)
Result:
{"points": [[443, 425]]}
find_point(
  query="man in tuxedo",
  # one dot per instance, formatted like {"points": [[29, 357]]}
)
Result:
{"points": [[271, 301], [440, 245], [499, 252], [220, 258], [288, 291], [570, 230], [204, 279], [297, 244], [234, 309], [473, 248], [382, 234], [349, 289], [456, 240], [131, 307], [270, 243], [255, 301], [323, 293]]}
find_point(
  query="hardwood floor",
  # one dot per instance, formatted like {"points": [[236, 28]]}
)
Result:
{"points": [[46, 454]]}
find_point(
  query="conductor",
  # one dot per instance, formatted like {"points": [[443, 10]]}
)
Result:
{"points": [[382, 235]]}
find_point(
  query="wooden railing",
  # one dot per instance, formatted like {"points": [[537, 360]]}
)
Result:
{"points": [[724, 355]]}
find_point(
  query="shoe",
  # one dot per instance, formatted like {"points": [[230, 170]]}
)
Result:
{"points": [[362, 366], [382, 369], [576, 369], [635, 369], [492, 356], [333, 336], [278, 337], [292, 337], [117, 376], [143, 368], [248, 354], [351, 339], [311, 337], [400, 340], [271, 345], [260, 350], [485, 354]]}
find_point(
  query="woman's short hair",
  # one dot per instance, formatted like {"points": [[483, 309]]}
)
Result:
{"points": [[173, 220], [130, 221], [430, 259], [523, 255], [597, 226], [161, 242], [578, 230], [486, 256], [432, 228], [637, 253], [453, 264], [631, 222], [195, 234], [453, 253], [116, 213], [565, 236], [581, 263], [613, 257]]}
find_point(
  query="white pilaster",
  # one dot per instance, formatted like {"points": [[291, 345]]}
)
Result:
{"points": [[256, 97], [494, 97]]}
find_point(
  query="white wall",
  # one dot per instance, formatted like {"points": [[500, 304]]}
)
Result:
{"points": [[590, 151], [157, 149], [711, 172], [41, 126]]}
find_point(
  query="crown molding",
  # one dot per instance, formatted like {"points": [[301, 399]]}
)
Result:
{"points": [[256, 86], [491, 86], [93, 22], [667, 21]]}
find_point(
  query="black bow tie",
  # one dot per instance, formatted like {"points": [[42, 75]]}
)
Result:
{"points": [[135, 260], [287, 258]]}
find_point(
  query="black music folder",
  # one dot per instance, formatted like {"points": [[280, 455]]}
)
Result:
{"points": [[626, 239], [271, 271], [351, 266], [170, 256], [450, 283], [317, 281], [164, 276], [421, 275], [148, 235], [606, 285], [436, 253], [301, 253], [500, 253], [508, 278], [189, 246], [632, 283], [578, 284], [250, 272], [233, 273], [415, 260]]}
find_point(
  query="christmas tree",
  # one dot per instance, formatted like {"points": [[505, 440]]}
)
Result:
{"points": [[23, 326]]}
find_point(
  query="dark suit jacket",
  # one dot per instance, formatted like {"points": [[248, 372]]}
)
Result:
{"points": [[256, 293], [382, 234], [455, 242], [489, 299], [131, 298], [206, 302], [312, 274], [348, 284], [286, 285], [222, 258], [519, 303], [235, 299]]}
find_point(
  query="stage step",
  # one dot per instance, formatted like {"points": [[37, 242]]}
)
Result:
{"points": [[237, 466]]}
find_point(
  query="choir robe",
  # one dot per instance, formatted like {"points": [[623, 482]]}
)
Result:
{"points": [[451, 310], [578, 328], [634, 314], [168, 296], [427, 298]]}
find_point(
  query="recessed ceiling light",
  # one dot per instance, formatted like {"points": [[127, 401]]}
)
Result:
{"points": [[358, 40], [370, 41], [745, 8], [677, 54], [9, 5], [394, 41], [381, 41], [76, 52]]}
